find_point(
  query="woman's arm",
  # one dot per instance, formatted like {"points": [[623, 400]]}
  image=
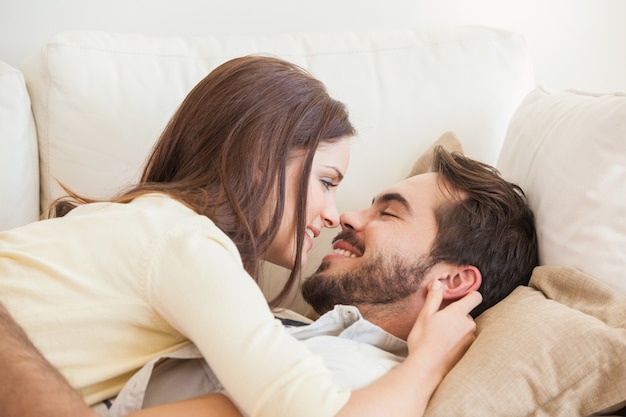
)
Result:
{"points": [[199, 287], [210, 405], [437, 341], [30, 385]]}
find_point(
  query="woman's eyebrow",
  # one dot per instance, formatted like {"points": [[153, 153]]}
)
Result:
{"points": [[337, 171], [393, 197]]}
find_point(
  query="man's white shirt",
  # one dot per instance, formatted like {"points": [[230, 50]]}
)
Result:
{"points": [[355, 350]]}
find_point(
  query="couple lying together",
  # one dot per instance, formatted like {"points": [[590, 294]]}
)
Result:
{"points": [[164, 277]]}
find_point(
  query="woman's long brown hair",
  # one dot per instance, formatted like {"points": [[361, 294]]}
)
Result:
{"points": [[224, 152]]}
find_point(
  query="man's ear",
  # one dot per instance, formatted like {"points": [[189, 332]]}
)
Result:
{"points": [[460, 281]]}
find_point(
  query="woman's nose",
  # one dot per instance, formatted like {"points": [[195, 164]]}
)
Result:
{"points": [[330, 216]]}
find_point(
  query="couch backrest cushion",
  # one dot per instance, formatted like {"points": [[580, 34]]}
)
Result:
{"points": [[19, 165], [100, 100], [568, 151]]}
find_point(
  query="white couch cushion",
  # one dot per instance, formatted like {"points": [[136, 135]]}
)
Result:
{"points": [[19, 165], [568, 151], [100, 100]]}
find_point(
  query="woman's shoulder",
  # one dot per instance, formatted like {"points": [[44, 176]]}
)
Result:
{"points": [[172, 211], [161, 202], [159, 210], [153, 214], [181, 222]]}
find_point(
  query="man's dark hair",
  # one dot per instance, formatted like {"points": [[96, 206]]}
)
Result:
{"points": [[491, 226]]}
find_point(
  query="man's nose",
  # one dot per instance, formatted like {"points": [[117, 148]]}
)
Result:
{"points": [[352, 220]]}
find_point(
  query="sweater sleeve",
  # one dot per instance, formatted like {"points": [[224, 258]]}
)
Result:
{"points": [[199, 286]]}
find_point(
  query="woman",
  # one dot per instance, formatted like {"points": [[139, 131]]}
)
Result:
{"points": [[245, 172]]}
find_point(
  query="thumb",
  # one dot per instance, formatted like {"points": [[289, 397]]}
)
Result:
{"points": [[433, 298]]}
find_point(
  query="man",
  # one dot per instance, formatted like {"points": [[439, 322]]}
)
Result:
{"points": [[461, 226]]}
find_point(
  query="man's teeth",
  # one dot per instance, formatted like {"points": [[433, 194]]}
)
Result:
{"points": [[344, 252], [310, 233]]}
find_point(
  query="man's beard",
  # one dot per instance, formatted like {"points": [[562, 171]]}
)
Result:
{"points": [[383, 280]]}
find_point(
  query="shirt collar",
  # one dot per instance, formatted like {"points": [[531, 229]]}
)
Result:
{"points": [[347, 322]]}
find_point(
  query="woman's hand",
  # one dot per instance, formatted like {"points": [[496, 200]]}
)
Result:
{"points": [[436, 343], [439, 338]]}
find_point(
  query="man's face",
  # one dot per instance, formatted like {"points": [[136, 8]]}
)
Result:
{"points": [[382, 254]]}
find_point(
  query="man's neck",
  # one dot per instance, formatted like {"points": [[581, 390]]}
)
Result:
{"points": [[396, 318]]}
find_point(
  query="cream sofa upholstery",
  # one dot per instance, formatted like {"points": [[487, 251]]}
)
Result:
{"points": [[100, 100], [19, 157]]}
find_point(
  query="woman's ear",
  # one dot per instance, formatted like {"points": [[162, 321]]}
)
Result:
{"points": [[461, 280]]}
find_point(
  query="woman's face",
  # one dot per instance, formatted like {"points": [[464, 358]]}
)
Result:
{"points": [[329, 167]]}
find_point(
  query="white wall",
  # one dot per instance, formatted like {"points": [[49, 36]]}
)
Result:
{"points": [[575, 43]]}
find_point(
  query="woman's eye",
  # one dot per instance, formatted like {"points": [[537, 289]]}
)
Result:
{"points": [[328, 184]]}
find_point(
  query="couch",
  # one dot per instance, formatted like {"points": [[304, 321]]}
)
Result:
{"points": [[87, 108]]}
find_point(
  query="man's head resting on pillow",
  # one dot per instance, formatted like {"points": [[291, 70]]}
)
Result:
{"points": [[461, 224]]}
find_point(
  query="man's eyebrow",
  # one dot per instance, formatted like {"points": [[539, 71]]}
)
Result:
{"points": [[393, 197]]}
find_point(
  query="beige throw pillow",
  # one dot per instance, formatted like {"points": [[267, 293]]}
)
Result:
{"points": [[555, 348], [424, 162]]}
